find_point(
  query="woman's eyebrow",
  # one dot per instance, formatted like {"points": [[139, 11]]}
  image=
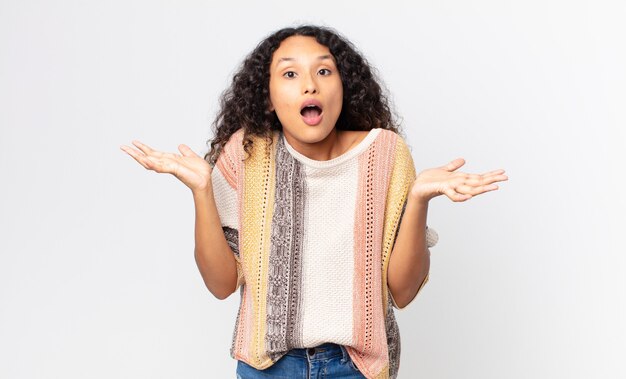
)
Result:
{"points": [[289, 59], [327, 56]]}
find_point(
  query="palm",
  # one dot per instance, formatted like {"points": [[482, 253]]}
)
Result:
{"points": [[458, 186], [189, 167]]}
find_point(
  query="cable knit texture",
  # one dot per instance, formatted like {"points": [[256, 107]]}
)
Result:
{"points": [[312, 241]]}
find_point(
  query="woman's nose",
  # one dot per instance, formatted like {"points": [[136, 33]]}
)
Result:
{"points": [[309, 85]]}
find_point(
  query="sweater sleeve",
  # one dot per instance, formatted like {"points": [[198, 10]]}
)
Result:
{"points": [[224, 181]]}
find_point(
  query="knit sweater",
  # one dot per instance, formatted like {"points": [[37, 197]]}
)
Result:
{"points": [[312, 241]]}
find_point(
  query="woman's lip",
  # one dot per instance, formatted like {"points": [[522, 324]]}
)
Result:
{"points": [[308, 102], [312, 121]]}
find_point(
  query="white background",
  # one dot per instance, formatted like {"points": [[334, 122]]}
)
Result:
{"points": [[97, 275]]}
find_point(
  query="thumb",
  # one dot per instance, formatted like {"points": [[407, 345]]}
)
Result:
{"points": [[186, 151], [453, 165]]}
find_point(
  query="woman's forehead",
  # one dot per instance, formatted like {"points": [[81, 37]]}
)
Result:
{"points": [[296, 48]]}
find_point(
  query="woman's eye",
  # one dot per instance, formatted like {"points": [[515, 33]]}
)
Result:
{"points": [[290, 74], [325, 71]]}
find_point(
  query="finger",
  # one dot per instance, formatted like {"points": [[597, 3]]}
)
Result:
{"points": [[475, 190], [141, 146], [453, 165], [495, 178], [140, 158], [147, 149], [455, 196], [129, 150], [151, 162], [494, 172], [476, 180], [186, 151]]}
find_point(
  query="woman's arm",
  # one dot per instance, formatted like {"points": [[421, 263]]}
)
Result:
{"points": [[409, 262], [215, 259]]}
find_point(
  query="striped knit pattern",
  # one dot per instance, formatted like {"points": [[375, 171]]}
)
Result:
{"points": [[268, 235]]}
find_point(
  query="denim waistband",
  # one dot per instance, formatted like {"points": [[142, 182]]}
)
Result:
{"points": [[323, 351]]}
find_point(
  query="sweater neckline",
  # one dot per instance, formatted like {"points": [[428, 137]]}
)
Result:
{"points": [[356, 150]]}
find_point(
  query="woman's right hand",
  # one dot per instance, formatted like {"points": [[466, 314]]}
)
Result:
{"points": [[189, 168]]}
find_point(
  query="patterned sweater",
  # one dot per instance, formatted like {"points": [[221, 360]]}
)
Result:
{"points": [[312, 240]]}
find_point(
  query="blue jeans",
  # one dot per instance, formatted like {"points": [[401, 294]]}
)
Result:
{"points": [[328, 360]]}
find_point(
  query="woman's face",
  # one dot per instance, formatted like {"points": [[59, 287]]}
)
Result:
{"points": [[305, 89]]}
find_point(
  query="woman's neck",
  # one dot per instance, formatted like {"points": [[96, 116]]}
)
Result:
{"points": [[337, 142]]}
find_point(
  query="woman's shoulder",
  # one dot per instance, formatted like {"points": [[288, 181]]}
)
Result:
{"points": [[394, 136], [235, 142], [228, 161], [396, 141]]}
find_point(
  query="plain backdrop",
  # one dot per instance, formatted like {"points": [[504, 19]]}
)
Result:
{"points": [[97, 274]]}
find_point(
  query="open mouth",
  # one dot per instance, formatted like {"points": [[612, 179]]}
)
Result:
{"points": [[311, 112]]}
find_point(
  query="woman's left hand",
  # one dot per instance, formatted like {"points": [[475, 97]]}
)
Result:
{"points": [[458, 186]]}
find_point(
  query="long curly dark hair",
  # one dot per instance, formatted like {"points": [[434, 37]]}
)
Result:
{"points": [[245, 104]]}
